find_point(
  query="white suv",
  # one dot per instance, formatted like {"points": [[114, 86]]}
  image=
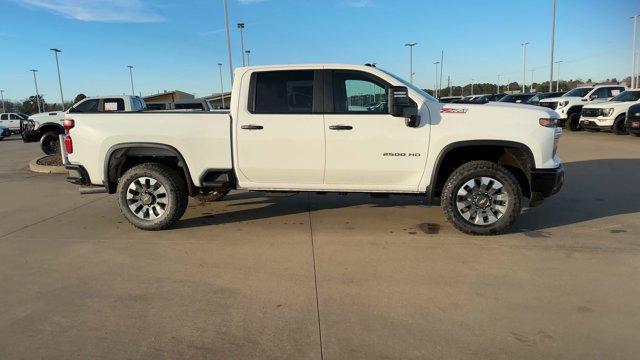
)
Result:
{"points": [[568, 107], [609, 115]]}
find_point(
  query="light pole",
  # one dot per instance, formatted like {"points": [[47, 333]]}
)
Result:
{"points": [[441, 66], [248, 52], [56, 51], [241, 27], [531, 87], [498, 85], [411, 45], [221, 85], [133, 92], [553, 41], [633, 52], [35, 80], [558, 81], [524, 66], [472, 80], [2, 97], [226, 25], [436, 87]]}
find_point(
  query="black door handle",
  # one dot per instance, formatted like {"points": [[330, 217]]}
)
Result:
{"points": [[341, 127], [252, 127]]}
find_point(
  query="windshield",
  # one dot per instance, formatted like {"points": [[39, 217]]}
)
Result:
{"points": [[579, 92], [627, 96], [411, 86]]}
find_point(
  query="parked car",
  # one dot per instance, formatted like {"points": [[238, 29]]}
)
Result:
{"points": [[516, 98], [46, 127], [633, 120], [449, 99], [610, 115], [568, 107], [4, 132], [12, 121], [496, 97], [281, 135], [535, 100]]}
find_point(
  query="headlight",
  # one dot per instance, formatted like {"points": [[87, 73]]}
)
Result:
{"points": [[563, 103], [548, 122], [606, 112]]}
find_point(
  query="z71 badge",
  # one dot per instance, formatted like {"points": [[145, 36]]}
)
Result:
{"points": [[453, 111]]}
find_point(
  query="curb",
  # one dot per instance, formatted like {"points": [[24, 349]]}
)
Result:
{"points": [[45, 169]]}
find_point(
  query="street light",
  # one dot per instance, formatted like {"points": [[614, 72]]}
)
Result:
{"points": [[472, 80], [2, 97], [55, 52], [634, 70], [553, 41], [248, 52], [226, 25], [498, 85], [524, 66], [241, 27], [221, 85], [531, 87], [411, 45], [436, 87], [558, 82], [35, 80], [133, 92]]}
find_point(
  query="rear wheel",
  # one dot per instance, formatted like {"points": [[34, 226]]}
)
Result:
{"points": [[152, 196], [481, 198], [49, 143], [619, 126], [573, 122]]}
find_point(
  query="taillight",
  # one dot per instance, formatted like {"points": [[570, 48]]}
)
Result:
{"points": [[68, 124]]}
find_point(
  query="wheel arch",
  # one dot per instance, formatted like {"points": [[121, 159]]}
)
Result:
{"points": [[48, 127], [515, 156], [121, 157]]}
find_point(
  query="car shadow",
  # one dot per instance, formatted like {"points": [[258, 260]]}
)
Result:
{"points": [[592, 190]]}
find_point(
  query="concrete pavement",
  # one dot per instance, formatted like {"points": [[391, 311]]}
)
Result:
{"points": [[305, 276]]}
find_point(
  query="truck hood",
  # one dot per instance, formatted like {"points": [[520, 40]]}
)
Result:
{"points": [[507, 110], [562, 98]]}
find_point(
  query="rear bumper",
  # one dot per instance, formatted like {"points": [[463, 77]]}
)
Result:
{"points": [[545, 182], [77, 175]]}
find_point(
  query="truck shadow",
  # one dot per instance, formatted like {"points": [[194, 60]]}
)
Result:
{"points": [[593, 189]]}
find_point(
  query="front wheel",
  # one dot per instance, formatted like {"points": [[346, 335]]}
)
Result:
{"points": [[152, 196], [619, 126], [481, 198], [573, 122], [49, 143]]}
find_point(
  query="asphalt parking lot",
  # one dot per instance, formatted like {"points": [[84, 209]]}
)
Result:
{"points": [[311, 276]]}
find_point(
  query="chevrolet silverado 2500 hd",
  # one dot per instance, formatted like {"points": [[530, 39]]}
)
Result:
{"points": [[313, 128]]}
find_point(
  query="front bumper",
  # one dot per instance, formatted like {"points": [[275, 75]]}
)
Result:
{"points": [[596, 124], [544, 183], [633, 125]]}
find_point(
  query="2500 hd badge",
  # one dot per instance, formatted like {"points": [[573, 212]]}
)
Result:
{"points": [[402, 154]]}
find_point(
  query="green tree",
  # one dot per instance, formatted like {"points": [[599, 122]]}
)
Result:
{"points": [[29, 106]]}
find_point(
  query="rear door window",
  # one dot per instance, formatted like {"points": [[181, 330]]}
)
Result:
{"points": [[284, 92], [109, 105]]}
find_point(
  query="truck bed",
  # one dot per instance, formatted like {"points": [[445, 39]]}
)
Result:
{"points": [[203, 138]]}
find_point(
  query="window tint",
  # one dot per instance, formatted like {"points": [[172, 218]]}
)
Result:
{"points": [[4, 117], [14, 117], [89, 106], [113, 105], [281, 92], [355, 92], [601, 93]]}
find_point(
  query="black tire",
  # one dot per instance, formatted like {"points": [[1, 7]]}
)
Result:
{"points": [[49, 143], [573, 122], [635, 134], [619, 127], [176, 196], [468, 172]]}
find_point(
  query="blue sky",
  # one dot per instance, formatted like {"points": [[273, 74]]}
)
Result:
{"points": [[177, 44]]}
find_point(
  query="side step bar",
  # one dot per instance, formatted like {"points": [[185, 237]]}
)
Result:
{"points": [[93, 190]]}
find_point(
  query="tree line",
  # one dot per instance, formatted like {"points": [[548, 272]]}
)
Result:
{"points": [[29, 105]]}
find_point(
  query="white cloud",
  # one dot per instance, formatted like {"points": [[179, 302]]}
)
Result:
{"points": [[133, 11], [358, 3]]}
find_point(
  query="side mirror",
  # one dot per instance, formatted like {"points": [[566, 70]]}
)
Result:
{"points": [[400, 105], [593, 97]]}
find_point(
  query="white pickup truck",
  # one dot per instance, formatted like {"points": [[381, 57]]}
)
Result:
{"points": [[47, 126], [313, 128]]}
